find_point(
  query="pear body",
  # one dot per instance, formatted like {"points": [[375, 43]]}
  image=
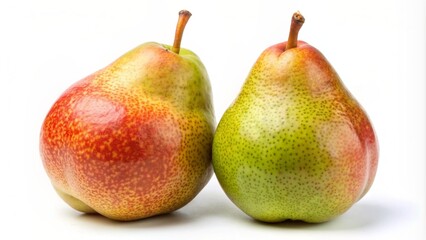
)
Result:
{"points": [[294, 144], [132, 140]]}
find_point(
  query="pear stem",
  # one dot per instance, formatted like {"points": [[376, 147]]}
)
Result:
{"points": [[296, 23], [184, 16]]}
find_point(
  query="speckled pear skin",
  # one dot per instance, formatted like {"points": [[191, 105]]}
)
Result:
{"points": [[294, 144], [134, 139]]}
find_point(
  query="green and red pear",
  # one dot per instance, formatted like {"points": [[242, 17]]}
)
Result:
{"points": [[295, 144], [134, 139]]}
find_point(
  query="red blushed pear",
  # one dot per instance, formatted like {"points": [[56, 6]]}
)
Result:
{"points": [[134, 139], [295, 144]]}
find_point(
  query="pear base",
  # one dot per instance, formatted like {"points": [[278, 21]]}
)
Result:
{"points": [[74, 202]]}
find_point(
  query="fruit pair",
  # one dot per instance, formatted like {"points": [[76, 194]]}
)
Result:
{"points": [[135, 139]]}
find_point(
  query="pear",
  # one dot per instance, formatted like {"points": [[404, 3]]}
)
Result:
{"points": [[295, 144], [134, 139]]}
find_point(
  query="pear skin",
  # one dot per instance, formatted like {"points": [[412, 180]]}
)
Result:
{"points": [[295, 144], [133, 140]]}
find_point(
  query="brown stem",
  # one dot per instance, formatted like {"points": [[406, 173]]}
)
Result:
{"points": [[296, 23], [184, 16]]}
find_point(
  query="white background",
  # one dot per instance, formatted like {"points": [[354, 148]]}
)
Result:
{"points": [[377, 47]]}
